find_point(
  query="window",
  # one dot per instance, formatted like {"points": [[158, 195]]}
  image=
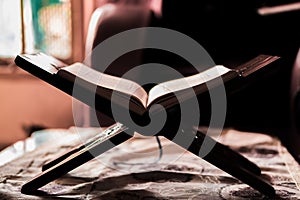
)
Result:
{"points": [[10, 23], [52, 26]]}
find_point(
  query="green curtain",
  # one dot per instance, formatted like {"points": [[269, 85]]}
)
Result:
{"points": [[36, 6]]}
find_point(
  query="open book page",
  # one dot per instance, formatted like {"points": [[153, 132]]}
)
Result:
{"points": [[186, 82], [107, 81]]}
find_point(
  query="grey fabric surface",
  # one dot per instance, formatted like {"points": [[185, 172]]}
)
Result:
{"points": [[132, 170]]}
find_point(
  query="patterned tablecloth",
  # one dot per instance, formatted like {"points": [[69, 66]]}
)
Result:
{"points": [[134, 169]]}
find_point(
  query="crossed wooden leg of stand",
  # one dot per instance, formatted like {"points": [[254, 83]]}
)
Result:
{"points": [[219, 155]]}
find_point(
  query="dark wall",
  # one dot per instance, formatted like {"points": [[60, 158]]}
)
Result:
{"points": [[234, 28]]}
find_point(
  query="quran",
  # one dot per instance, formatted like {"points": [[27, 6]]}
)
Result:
{"points": [[103, 90], [126, 94]]}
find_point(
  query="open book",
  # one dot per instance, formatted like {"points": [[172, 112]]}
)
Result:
{"points": [[123, 92]]}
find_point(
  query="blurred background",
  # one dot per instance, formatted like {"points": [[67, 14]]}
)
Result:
{"points": [[231, 31]]}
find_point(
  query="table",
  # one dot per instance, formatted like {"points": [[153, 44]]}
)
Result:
{"points": [[134, 170]]}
